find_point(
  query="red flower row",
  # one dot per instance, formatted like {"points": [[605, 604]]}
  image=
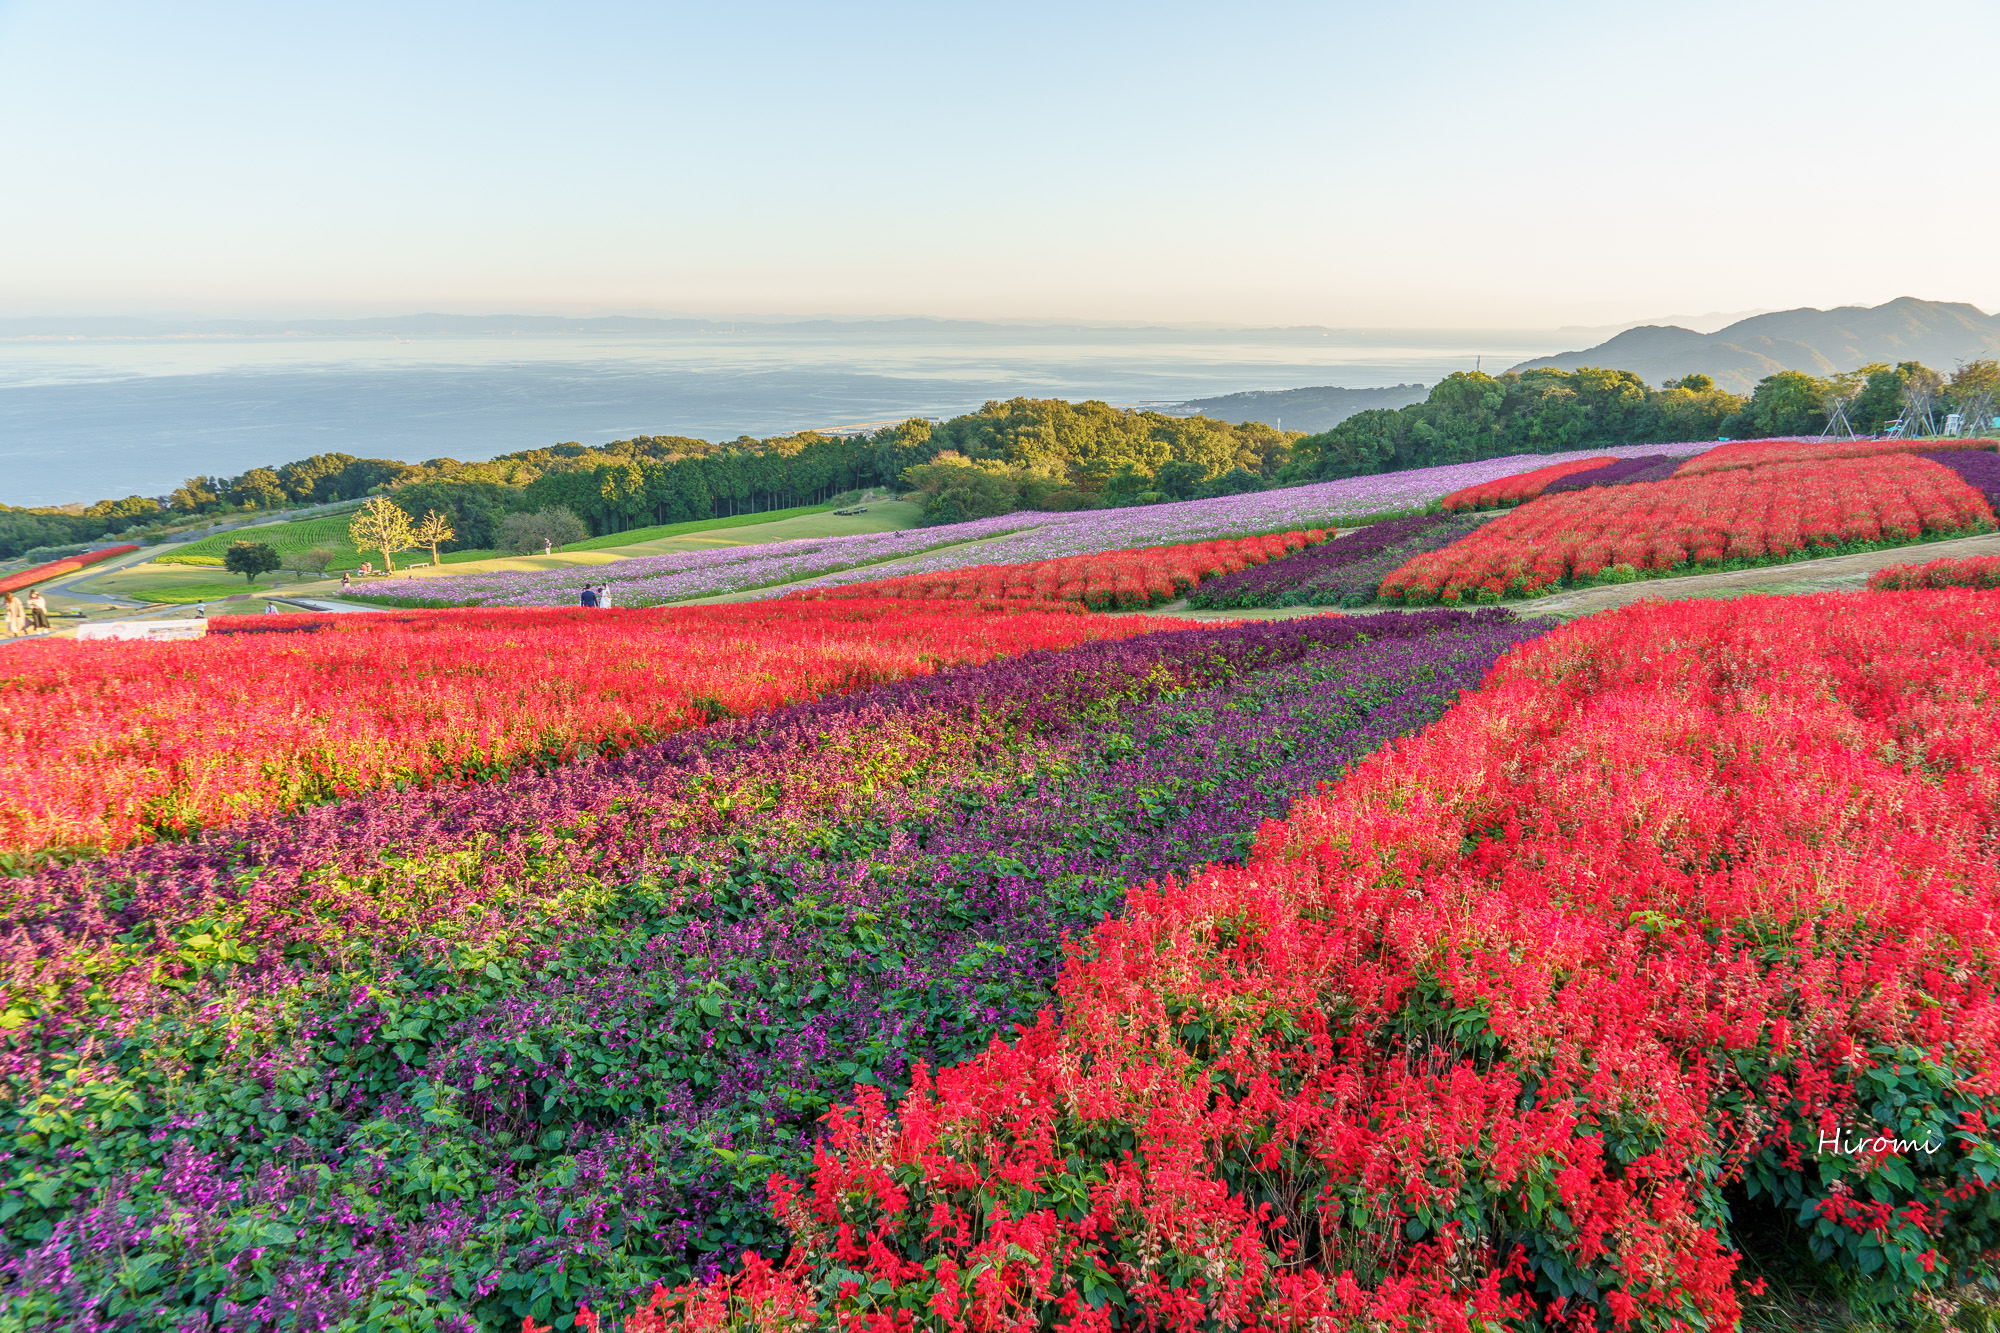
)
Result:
{"points": [[1682, 889], [1979, 571], [1753, 515], [1757, 453], [1143, 577], [110, 743], [1522, 486]]}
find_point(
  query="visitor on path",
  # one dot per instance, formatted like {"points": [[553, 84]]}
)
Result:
{"points": [[343, 582], [548, 547], [17, 617], [38, 613], [588, 597]]}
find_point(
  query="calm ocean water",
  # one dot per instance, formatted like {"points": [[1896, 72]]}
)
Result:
{"points": [[85, 418]]}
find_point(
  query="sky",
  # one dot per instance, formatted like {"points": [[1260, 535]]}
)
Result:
{"points": [[1351, 165]]}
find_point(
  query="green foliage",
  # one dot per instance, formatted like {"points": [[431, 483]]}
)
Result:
{"points": [[251, 559], [1790, 402], [541, 531], [1470, 416]]}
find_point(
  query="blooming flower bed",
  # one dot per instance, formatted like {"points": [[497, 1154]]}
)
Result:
{"points": [[1145, 577], [482, 1054], [1020, 538], [1692, 899], [1979, 468], [1343, 572], [1757, 453], [1329, 504], [107, 744], [1729, 519], [652, 580], [1619, 472], [1979, 571], [1523, 486], [27, 578]]}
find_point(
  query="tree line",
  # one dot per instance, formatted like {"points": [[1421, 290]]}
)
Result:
{"points": [[1469, 416], [1023, 454], [1020, 453]]}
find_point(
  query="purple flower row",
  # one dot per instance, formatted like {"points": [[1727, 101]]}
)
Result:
{"points": [[1624, 472], [1343, 572], [1980, 468], [723, 933]]}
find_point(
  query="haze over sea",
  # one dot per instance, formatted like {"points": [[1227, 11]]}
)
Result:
{"points": [[84, 416]]}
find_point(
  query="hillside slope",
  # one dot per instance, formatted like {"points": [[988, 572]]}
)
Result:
{"points": [[1820, 342]]}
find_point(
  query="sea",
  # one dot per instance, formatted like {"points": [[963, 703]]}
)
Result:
{"points": [[89, 416]]}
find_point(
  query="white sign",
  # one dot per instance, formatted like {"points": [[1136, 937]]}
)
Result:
{"points": [[144, 629]]}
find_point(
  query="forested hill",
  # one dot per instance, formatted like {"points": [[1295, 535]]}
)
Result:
{"points": [[1031, 453], [1304, 409], [1818, 342]]}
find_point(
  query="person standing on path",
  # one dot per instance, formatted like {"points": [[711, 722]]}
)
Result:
{"points": [[17, 617], [38, 613], [548, 547]]}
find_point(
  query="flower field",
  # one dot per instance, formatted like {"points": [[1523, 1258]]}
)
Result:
{"points": [[1523, 486], [1144, 577], [1019, 538], [930, 952], [1729, 518], [1683, 926], [1621, 472], [1969, 572], [1979, 468], [653, 580], [462, 1056], [28, 578], [1343, 572], [1757, 453], [105, 746]]}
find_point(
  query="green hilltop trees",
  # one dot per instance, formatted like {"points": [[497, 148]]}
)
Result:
{"points": [[1025, 453], [251, 559]]}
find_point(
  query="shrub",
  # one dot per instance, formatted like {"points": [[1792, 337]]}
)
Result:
{"points": [[525, 534]]}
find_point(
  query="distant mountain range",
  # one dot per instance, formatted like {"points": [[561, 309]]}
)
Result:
{"points": [[1304, 409], [1819, 342]]}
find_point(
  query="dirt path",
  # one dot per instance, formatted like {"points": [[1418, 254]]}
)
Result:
{"points": [[1834, 573]]}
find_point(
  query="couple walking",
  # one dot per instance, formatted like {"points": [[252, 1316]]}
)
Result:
{"points": [[32, 618], [597, 596]]}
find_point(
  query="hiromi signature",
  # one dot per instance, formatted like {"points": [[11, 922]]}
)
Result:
{"points": [[1875, 1143]]}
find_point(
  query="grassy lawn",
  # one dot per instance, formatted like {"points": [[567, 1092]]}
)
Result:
{"points": [[882, 516], [329, 532], [174, 584], [641, 535]]}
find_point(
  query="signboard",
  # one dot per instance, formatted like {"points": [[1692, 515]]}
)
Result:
{"points": [[151, 630]]}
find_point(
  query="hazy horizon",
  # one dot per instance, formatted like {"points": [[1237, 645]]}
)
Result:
{"points": [[177, 322]]}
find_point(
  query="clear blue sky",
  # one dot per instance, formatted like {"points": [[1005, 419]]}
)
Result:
{"points": [[1408, 164]]}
